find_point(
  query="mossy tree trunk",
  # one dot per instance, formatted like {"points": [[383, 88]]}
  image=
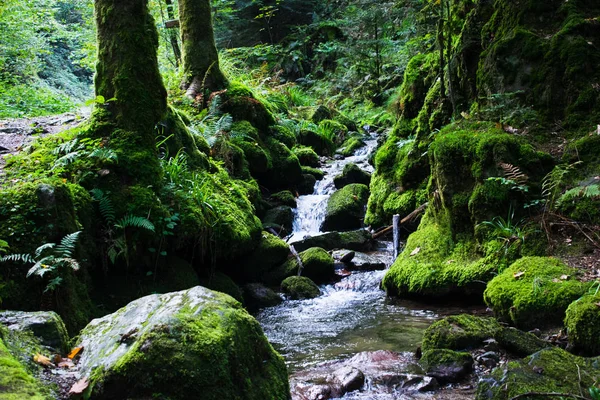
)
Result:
{"points": [[128, 78], [200, 57]]}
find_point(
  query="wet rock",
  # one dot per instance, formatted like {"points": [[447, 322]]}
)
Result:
{"points": [[300, 287], [344, 256], [16, 382], [317, 265], [489, 359], [281, 216], [349, 379], [366, 262], [421, 384], [270, 254], [307, 185], [158, 345], [358, 240], [320, 144], [45, 326], [320, 114], [460, 332], [352, 174], [518, 342], [447, 366], [346, 208], [284, 198], [583, 325], [258, 295]]}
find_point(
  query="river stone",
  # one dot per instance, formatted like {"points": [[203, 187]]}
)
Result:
{"points": [[281, 216], [258, 295], [300, 287], [46, 326], [358, 240], [178, 345], [344, 256], [270, 253], [317, 265], [307, 185], [366, 262], [349, 379], [352, 174], [346, 208], [447, 366]]}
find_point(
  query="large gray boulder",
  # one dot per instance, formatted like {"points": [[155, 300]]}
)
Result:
{"points": [[181, 345]]}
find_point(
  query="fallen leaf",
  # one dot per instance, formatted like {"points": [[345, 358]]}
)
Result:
{"points": [[75, 352], [66, 363], [42, 360], [518, 275], [415, 251], [564, 277], [80, 386]]}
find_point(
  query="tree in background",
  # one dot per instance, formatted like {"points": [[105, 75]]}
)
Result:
{"points": [[201, 69]]}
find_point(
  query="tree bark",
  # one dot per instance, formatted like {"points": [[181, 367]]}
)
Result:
{"points": [[201, 69]]}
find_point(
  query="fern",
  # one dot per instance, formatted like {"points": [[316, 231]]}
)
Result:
{"points": [[25, 258], [67, 245], [514, 173], [105, 205], [104, 155], [68, 147], [67, 159], [589, 191], [134, 222], [554, 179]]}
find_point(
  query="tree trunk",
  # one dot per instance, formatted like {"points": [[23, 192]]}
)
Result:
{"points": [[200, 57], [127, 77], [173, 34]]}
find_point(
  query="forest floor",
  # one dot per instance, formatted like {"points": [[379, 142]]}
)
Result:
{"points": [[16, 133]]}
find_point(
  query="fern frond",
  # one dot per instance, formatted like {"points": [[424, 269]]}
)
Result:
{"points": [[590, 191], [71, 262], [135, 222], [25, 258], [67, 245], [514, 173], [40, 250], [67, 159], [40, 268], [105, 205], [104, 154], [68, 147]]}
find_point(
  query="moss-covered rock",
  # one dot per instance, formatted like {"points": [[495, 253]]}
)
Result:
{"points": [[345, 208], [534, 292], [270, 253], [317, 173], [300, 287], [460, 332], [583, 324], [317, 265], [284, 198], [320, 144], [447, 366], [307, 185], [335, 129], [171, 345], [352, 174], [258, 296], [306, 156], [358, 240], [321, 113], [16, 382], [350, 146], [46, 327], [279, 217], [240, 103], [551, 370], [222, 283]]}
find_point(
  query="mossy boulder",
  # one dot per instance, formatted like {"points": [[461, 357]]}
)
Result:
{"points": [[352, 174], [358, 240], [171, 345], [551, 370], [321, 113], [447, 366], [270, 253], [350, 146], [336, 130], [534, 292], [46, 327], [16, 382], [583, 324], [285, 170], [258, 296], [220, 282], [279, 217], [239, 102], [317, 265], [317, 173], [320, 144], [284, 198], [306, 156], [346, 208], [300, 287], [459, 332], [307, 185]]}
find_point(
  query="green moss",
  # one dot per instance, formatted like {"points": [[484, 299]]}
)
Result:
{"points": [[352, 174], [583, 324], [320, 144], [339, 131], [279, 217], [270, 253], [317, 265], [180, 138], [224, 284], [285, 169], [300, 287], [317, 173], [418, 77], [551, 370], [16, 382], [358, 240], [307, 184], [306, 156], [242, 106], [351, 145], [345, 208], [321, 113], [442, 360], [284, 135], [285, 198], [459, 332], [532, 292]]}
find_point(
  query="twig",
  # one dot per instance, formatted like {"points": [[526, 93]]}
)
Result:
{"points": [[525, 395]]}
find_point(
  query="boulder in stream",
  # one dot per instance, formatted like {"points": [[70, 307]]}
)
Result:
{"points": [[317, 265], [352, 174], [270, 253], [346, 208], [300, 287], [279, 217], [258, 295], [358, 240], [181, 345]]}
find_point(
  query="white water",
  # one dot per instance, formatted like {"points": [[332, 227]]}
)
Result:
{"points": [[310, 212]]}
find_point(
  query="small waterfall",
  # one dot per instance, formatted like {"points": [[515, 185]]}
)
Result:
{"points": [[310, 211]]}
